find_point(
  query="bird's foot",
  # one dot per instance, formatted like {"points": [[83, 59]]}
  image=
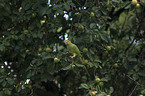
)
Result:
{"points": [[72, 57]]}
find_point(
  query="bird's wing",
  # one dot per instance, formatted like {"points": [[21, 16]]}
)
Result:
{"points": [[75, 49]]}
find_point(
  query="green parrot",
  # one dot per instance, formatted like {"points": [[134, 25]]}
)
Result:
{"points": [[73, 49]]}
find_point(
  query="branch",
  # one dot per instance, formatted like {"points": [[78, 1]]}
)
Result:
{"points": [[135, 81], [133, 90], [82, 11], [78, 2], [85, 3], [129, 45], [87, 72]]}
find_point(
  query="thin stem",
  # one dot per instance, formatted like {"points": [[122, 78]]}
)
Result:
{"points": [[135, 81], [87, 72], [129, 45], [133, 90]]}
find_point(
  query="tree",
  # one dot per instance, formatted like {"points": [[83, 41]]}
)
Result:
{"points": [[110, 35]]}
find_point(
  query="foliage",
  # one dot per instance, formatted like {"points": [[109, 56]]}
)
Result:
{"points": [[111, 33]]}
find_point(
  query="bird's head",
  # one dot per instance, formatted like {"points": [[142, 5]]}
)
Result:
{"points": [[67, 42]]}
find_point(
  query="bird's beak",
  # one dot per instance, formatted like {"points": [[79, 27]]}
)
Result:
{"points": [[65, 42]]}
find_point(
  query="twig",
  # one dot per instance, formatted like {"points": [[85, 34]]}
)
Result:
{"points": [[124, 22], [85, 3], [129, 45], [79, 18], [78, 2], [133, 90], [31, 94], [99, 3], [87, 72], [2, 60], [135, 81], [82, 11]]}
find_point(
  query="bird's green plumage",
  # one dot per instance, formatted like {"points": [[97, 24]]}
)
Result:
{"points": [[73, 49]]}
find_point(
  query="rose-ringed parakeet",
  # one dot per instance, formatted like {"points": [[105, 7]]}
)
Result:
{"points": [[73, 49]]}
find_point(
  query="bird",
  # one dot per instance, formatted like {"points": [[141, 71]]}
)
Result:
{"points": [[73, 49]]}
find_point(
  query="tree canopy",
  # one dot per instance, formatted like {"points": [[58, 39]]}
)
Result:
{"points": [[109, 33]]}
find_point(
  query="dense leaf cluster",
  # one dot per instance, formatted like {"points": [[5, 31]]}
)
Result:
{"points": [[109, 33]]}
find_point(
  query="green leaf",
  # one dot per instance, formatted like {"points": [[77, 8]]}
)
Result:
{"points": [[42, 11], [141, 73], [1, 80], [40, 35], [7, 91], [92, 25], [135, 76], [104, 79], [103, 37], [143, 91], [111, 90], [126, 5], [100, 94], [1, 47], [116, 1], [93, 64], [97, 61], [79, 65], [31, 73], [1, 93], [7, 8], [27, 6], [85, 86], [44, 78], [10, 81], [122, 18], [50, 67], [72, 4], [50, 77], [2, 70], [18, 89], [4, 83], [67, 68], [67, 7], [133, 59], [91, 51]]}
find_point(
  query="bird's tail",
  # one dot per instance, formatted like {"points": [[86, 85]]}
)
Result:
{"points": [[81, 60]]}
